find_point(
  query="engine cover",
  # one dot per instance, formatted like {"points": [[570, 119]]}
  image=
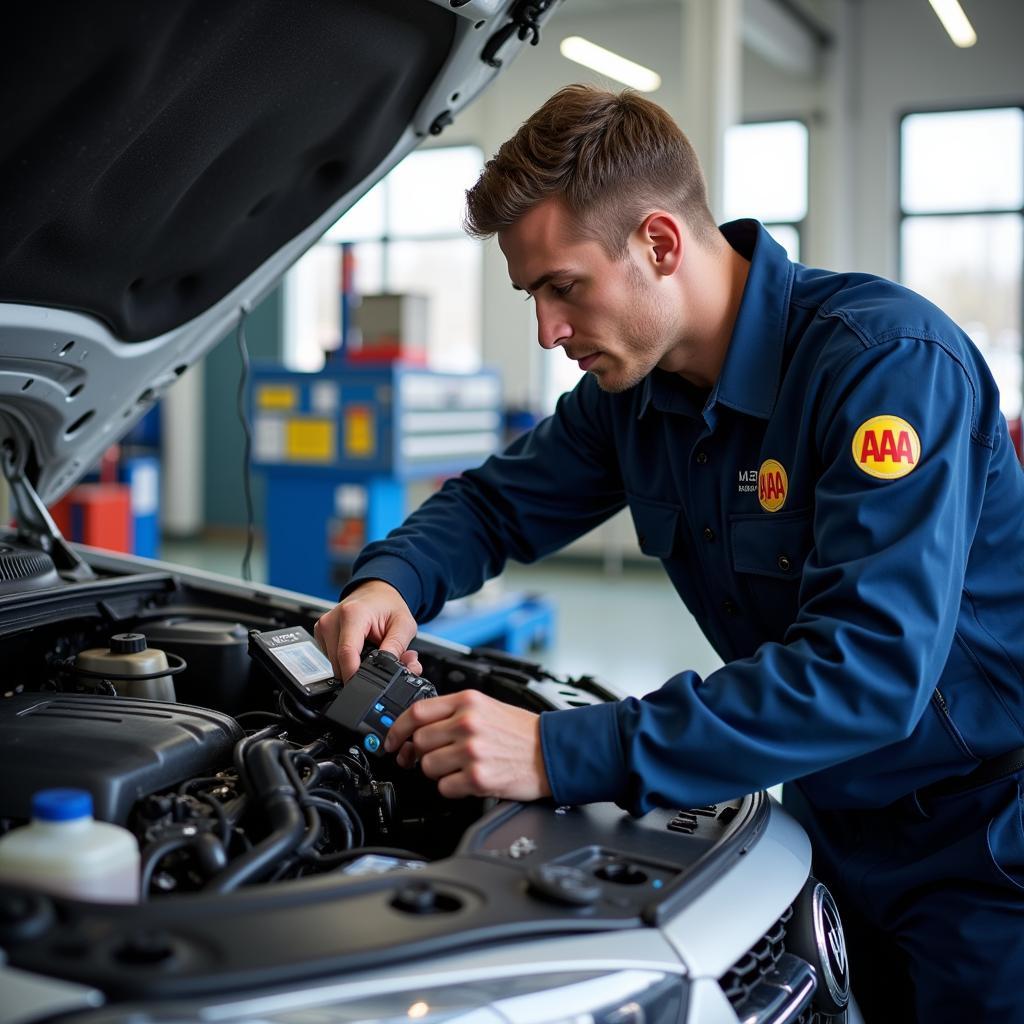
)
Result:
{"points": [[119, 748]]}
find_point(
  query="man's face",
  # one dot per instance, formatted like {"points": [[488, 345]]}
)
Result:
{"points": [[606, 314]]}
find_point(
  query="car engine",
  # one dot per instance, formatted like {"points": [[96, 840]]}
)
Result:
{"points": [[233, 782]]}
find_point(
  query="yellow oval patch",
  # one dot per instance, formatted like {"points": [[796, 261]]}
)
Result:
{"points": [[772, 485], [886, 447]]}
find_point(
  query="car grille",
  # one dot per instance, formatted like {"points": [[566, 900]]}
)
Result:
{"points": [[744, 975]]}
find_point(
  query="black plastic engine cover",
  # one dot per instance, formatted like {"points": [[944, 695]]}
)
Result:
{"points": [[119, 748]]}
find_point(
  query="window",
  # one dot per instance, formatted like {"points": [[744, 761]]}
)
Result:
{"points": [[962, 228], [766, 178], [408, 238]]}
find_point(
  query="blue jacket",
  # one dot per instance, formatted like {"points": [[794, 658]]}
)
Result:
{"points": [[844, 516]]}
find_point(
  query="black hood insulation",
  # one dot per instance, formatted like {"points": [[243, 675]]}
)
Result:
{"points": [[154, 154]]}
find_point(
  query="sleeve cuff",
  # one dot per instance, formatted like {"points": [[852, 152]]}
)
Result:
{"points": [[393, 570], [583, 754]]}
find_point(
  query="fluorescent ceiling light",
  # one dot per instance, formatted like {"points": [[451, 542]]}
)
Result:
{"points": [[954, 21], [597, 58]]}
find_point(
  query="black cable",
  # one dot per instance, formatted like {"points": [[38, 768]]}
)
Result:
{"points": [[243, 416], [291, 709], [219, 813], [339, 814], [127, 677], [152, 856], [254, 714], [312, 818], [332, 797], [300, 757]]}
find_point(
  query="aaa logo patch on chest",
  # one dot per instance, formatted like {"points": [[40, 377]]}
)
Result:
{"points": [[772, 485], [886, 447]]}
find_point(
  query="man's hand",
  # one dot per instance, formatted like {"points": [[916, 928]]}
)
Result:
{"points": [[374, 611], [473, 745]]}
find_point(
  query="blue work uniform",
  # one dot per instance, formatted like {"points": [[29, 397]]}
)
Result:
{"points": [[843, 514]]}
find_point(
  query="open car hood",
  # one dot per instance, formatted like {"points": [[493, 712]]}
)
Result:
{"points": [[162, 166]]}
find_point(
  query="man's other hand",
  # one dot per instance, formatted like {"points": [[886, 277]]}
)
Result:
{"points": [[473, 745], [373, 612]]}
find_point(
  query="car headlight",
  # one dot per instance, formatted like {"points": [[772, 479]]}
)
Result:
{"points": [[576, 997]]}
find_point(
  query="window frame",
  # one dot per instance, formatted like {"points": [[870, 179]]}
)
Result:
{"points": [[902, 215], [385, 240], [799, 226]]}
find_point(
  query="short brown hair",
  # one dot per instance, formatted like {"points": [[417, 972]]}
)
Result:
{"points": [[611, 157]]}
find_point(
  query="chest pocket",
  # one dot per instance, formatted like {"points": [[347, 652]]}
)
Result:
{"points": [[656, 524], [768, 554]]}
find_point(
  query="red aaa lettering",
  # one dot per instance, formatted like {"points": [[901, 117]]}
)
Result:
{"points": [[771, 487], [897, 449]]}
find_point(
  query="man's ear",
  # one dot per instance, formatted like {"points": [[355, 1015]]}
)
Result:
{"points": [[662, 237]]}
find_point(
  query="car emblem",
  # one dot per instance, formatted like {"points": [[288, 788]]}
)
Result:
{"points": [[831, 943]]}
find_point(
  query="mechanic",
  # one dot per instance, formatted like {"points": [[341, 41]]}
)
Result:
{"points": [[820, 463]]}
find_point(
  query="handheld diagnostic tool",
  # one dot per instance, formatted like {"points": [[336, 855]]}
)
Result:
{"points": [[375, 696], [367, 704], [293, 658]]}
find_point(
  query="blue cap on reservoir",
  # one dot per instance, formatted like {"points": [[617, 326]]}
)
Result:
{"points": [[61, 804]]}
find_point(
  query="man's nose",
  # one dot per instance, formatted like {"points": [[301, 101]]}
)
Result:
{"points": [[552, 330]]}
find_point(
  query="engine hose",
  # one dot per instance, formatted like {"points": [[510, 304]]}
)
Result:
{"points": [[331, 772], [313, 826], [313, 829], [338, 813], [242, 747], [301, 759], [278, 799], [336, 798], [155, 853]]}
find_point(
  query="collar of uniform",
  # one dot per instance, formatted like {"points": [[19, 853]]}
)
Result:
{"points": [[749, 379], [668, 392]]}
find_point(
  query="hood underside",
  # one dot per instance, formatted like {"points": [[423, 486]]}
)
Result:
{"points": [[161, 152], [161, 165]]}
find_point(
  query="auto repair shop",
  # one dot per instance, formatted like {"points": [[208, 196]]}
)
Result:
{"points": [[224, 381]]}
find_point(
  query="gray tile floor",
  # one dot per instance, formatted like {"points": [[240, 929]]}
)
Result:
{"points": [[628, 628]]}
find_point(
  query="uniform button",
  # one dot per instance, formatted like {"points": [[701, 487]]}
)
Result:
{"points": [[784, 563], [702, 458], [709, 534], [729, 607]]}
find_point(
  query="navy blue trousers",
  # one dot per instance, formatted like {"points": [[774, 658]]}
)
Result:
{"points": [[931, 892]]}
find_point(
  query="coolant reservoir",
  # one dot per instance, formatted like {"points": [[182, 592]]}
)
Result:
{"points": [[66, 852], [129, 656]]}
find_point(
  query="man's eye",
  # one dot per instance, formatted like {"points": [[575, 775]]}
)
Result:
{"points": [[562, 289]]}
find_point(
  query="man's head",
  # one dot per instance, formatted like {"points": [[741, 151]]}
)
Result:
{"points": [[594, 201], [610, 158]]}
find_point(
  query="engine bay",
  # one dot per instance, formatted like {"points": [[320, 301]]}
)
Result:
{"points": [[257, 814], [225, 779]]}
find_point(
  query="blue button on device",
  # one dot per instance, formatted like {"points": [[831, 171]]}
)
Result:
{"points": [[387, 721], [372, 742], [378, 707]]}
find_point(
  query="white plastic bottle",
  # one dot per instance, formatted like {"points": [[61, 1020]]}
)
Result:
{"points": [[66, 852]]}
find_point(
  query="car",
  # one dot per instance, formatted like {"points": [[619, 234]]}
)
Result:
{"points": [[162, 166]]}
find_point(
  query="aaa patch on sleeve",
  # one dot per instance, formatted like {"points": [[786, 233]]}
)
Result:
{"points": [[886, 447]]}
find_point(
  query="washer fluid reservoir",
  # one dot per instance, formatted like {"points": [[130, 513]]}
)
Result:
{"points": [[66, 852]]}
